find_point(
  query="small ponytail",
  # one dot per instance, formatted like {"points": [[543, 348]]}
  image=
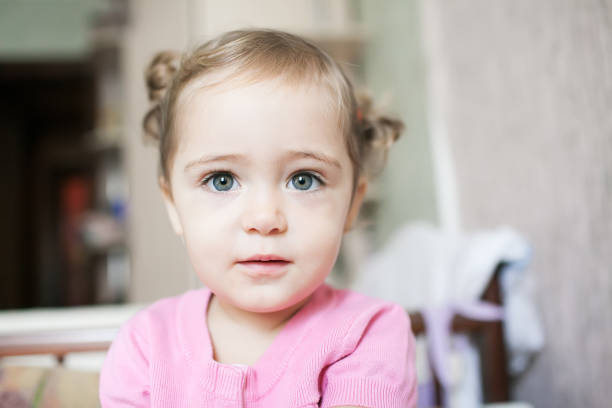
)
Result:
{"points": [[158, 77], [378, 133]]}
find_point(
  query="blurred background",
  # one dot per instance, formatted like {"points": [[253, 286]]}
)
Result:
{"points": [[508, 112]]}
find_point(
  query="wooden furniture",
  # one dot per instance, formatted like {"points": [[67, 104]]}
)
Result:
{"points": [[489, 338], [59, 331], [57, 342]]}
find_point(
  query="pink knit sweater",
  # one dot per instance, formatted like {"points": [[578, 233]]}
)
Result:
{"points": [[341, 348]]}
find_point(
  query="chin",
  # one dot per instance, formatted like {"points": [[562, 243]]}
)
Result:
{"points": [[267, 305], [274, 302]]}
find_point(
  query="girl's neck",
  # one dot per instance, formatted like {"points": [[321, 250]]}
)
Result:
{"points": [[269, 322], [228, 326]]}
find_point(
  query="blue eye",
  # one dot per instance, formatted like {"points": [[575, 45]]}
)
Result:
{"points": [[220, 181], [304, 181]]}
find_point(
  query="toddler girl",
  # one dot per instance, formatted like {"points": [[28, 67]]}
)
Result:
{"points": [[262, 151]]}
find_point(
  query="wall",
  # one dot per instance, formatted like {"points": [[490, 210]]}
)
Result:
{"points": [[395, 75], [525, 90], [50, 29], [158, 259]]}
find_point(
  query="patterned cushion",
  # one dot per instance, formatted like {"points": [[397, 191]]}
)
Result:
{"points": [[42, 387]]}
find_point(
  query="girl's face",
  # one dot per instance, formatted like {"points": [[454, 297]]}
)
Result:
{"points": [[261, 191]]}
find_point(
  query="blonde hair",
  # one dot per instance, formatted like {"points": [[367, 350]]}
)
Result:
{"points": [[255, 55]]}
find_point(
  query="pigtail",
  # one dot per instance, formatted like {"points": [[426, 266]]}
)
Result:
{"points": [[378, 133], [158, 76]]}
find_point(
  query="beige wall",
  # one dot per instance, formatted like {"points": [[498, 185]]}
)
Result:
{"points": [[525, 91], [395, 75], [159, 262]]}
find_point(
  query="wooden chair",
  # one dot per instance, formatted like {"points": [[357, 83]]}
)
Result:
{"points": [[489, 338]]}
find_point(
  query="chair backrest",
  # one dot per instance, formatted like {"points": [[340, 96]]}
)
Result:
{"points": [[489, 338]]}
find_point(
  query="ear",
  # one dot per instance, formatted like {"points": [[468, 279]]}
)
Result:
{"points": [[166, 191], [360, 191]]}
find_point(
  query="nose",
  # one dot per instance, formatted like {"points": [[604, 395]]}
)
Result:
{"points": [[264, 215]]}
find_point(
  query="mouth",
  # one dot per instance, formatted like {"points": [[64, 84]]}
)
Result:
{"points": [[265, 258], [268, 266]]}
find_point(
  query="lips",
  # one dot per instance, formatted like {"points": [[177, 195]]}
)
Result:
{"points": [[264, 265], [265, 258]]}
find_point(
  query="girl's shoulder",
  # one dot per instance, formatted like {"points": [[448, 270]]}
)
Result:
{"points": [[368, 351], [151, 337], [162, 315], [347, 301], [351, 312]]}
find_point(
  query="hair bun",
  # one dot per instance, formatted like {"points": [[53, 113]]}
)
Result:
{"points": [[379, 133], [160, 73], [158, 77]]}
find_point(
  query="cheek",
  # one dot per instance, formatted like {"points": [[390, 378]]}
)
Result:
{"points": [[319, 245], [205, 220], [323, 246], [319, 226], [207, 236]]}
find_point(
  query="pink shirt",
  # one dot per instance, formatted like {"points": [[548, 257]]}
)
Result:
{"points": [[341, 348]]}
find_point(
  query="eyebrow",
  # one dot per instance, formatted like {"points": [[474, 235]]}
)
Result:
{"points": [[209, 159], [293, 154], [314, 155]]}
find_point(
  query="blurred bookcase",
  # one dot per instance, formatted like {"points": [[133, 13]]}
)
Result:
{"points": [[63, 239]]}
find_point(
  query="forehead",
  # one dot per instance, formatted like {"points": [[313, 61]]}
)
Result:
{"points": [[228, 80], [265, 111]]}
